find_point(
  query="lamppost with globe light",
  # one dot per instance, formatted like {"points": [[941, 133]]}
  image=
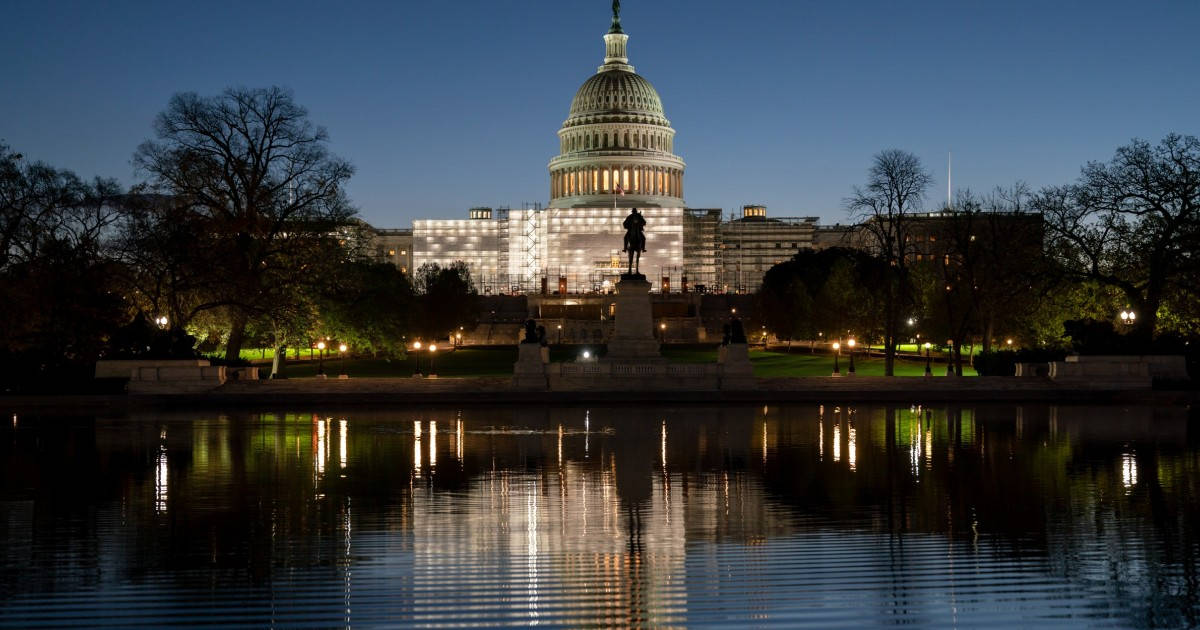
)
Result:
{"points": [[851, 342], [837, 353], [928, 359], [432, 356], [417, 357], [950, 358], [342, 361], [161, 321], [1128, 317], [320, 358]]}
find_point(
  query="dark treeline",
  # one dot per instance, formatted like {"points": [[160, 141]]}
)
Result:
{"points": [[1046, 271], [239, 235]]}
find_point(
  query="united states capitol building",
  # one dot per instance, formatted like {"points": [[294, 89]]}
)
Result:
{"points": [[616, 152]]}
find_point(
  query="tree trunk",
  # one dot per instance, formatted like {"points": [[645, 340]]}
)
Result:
{"points": [[989, 329], [237, 335], [889, 354]]}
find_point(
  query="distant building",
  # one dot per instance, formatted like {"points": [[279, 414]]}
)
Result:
{"points": [[754, 243], [394, 246]]}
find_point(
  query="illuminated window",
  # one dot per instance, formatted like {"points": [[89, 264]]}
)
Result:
{"points": [[625, 179], [391, 252], [605, 180], [635, 181]]}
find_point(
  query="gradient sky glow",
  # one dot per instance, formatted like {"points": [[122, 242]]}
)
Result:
{"points": [[446, 105]]}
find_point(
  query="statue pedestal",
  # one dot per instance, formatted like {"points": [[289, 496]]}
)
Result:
{"points": [[736, 369], [530, 370], [633, 334]]}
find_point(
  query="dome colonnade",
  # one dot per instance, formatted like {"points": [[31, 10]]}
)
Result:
{"points": [[616, 138]]}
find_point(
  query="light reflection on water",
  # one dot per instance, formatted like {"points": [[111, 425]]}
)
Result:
{"points": [[788, 515]]}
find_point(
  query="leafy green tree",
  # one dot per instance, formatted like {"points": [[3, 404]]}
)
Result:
{"points": [[1132, 223], [449, 300], [825, 293], [370, 307]]}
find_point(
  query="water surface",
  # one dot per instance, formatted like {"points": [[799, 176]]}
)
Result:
{"points": [[802, 515]]}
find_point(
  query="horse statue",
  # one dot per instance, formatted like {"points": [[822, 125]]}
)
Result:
{"points": [[635, 239]]}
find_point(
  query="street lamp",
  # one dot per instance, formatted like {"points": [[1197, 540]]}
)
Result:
{"points": [[950, 358], [559, 334], [662, 331], [1128, 317], [320, 358], [457, 339], [417, 357], [342, 360], [837, 353], [928, 359], [1008, 342], [850, 342], [432, 355], [161, 321]]}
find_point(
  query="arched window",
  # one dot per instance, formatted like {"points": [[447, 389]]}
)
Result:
{"points": [[605, 145], [626, 139]]}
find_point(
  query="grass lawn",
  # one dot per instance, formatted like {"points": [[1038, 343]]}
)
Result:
{"points": [[467, 362], [768, 364]]}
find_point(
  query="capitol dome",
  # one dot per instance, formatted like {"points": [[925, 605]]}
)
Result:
{"points": [[616, 143], [620, 93]]}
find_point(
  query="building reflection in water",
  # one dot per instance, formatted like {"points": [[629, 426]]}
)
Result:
{"points": [[160, 474], [643, 517]]}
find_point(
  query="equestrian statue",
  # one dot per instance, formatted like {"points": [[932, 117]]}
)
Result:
{"points": [[635, 239]]}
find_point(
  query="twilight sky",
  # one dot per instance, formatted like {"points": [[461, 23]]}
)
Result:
{"points": [[446, 105]]}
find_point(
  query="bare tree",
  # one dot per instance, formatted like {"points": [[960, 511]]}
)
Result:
{"points": [[896, 185], [250, 163], [1132, 223]]}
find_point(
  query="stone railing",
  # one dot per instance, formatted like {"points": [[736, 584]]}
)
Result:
{"points": [[123, 368], [1123, 372], [177, 379], [633, 375]]}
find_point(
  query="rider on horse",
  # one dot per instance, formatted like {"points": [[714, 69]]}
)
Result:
{"points": [[635, 238]]}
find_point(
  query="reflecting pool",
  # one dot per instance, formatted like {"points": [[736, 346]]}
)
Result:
{"points": [[801, 515]]}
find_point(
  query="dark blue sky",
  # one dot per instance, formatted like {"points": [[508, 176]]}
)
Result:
{"points": [[445, 105]]}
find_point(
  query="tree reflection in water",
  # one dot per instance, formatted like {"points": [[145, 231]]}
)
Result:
{"points": [[656, 516]]}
